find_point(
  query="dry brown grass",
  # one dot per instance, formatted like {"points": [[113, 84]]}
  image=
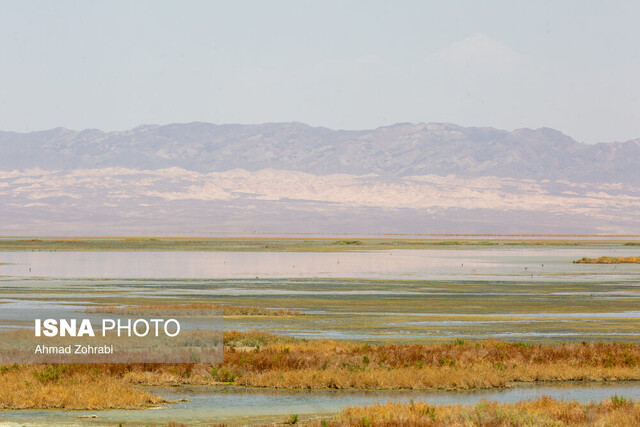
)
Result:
{"points": [[265, 360], [335, 364], [609, 260], [65, 387], [196, 309], [541, 412]]}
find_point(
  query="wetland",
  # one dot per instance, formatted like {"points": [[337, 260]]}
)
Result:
{"points": [[336, 311]]}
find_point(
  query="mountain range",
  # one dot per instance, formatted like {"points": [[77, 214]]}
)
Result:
{"points": [[398, 150], [202, 178]]}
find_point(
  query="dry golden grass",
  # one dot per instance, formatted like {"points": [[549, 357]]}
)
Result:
{"points": [[541, 412], [265, 360], [609, 260], [65, 387], [335, 364], [196, 309]]}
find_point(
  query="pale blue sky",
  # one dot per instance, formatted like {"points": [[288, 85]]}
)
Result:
{"points": [[112, 65]]}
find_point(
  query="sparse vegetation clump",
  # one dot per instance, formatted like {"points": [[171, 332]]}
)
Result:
{"points": [[196, 309], [447, 243], [609, 260]]}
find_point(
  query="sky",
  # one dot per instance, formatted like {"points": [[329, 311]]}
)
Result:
{"points": [[113, 65]]}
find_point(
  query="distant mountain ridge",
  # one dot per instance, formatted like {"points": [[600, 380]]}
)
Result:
{"points": [[398, 150]]}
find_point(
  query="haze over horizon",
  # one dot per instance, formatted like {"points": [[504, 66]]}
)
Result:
{"points": [[568, 65]]}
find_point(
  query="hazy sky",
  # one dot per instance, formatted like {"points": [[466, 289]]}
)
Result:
{"points": [[112, 65]]}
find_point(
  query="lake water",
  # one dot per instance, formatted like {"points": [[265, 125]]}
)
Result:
{"points": [[235, 405], [523, 293], [519, 264]]}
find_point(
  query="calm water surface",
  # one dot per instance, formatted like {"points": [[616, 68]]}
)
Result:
{"points": [[245, 406], [520, 264]]}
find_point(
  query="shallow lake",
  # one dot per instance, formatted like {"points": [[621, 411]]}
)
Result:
{"points": [[522, 293], [518, 264]]}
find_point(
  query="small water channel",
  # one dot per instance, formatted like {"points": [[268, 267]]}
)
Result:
{"points": [[245, 406]]}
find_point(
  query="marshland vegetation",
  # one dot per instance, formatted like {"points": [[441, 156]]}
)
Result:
{"points": [[72, 387], [615, 411], [264, 360], [287, 244], [257, 359], [192, 309], [555, 302]]}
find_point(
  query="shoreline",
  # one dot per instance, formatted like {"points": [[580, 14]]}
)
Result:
{"points": [[301, 244]]}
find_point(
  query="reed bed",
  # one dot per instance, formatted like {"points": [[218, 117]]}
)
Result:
{"points": [[609, 260], [266, 360], [616, 411], [453, 366]]}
